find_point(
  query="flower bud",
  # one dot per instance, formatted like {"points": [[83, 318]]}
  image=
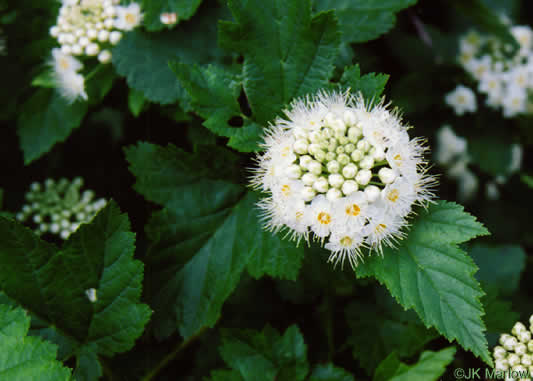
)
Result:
{"points": [[320, 155], [378, 154], [335, 180], [83, 41], [103, 35], [354, 133], [499, 352], [77, 49], [513, 359], [526, 360], [386, 175], [510, 343], [293, 171], [66, 49], [349, 117], [363, 176], [349, 171], [363, 145], [524, 337], [114, 37], [518, 328], [372, 193], [54, 31], [343, 159], [305, 160], [333, 194], [309, 179], [520, 348], [366, 162], [349, 187], [349, 148], [321, 185], [333, 166], [104, 56], [356, 155], [69, 38], [92, 34], [501, 364], [92, 49], [300, 146], [315, 167], [330, 156], [109, 23], [308, 193], [315, 137]]}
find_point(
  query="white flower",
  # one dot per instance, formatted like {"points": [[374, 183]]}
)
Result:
{"points": [[128, 17], [514, 101], [168, 18], [71, 85], [462, 99], [449, 145], [64, 63], [342, 171]]}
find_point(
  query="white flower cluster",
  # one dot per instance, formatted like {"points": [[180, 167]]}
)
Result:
{"points": [[507, 82], [342, 170], [58, 207], [452, 154], [515, 352], [87, 28]]}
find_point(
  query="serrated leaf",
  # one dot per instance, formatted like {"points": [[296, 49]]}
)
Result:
{"points": [[371, 85], [153, 9], [213, 94], [136, 101], [500, 265], [203, 239], [429, 273], [143, 57], [46, 119], [24, 357], [266, 355], [329, 372], [364, 20], [287, 52], [381, 327], [51, 282], [429, 367]]}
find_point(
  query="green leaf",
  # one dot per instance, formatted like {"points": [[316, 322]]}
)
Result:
{"points": [[266, 355], [500, 265], [493, 154], [24, 357], [371, 85], [213, 95], [381, 327], [364, 20], [136, 102], [51, 283], [45, 79], [152, 10], [46, 119], [528, 180], [499, 314], [287, 52], [429, 367], [225, 375], [143, 57], [329, 372], [203, 239], [429, 273]]}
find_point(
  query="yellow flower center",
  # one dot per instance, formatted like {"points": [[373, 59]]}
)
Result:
{"points": [[130, 18], [353, 210], [381, 228], [63, 62], [398, 159], [286, 190], [346, 241], [324, 218], [299, 215], [461, 99], [393, 195], [285, 151]]}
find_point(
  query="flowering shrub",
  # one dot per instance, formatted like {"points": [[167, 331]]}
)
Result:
{"points": [[186, 182]]}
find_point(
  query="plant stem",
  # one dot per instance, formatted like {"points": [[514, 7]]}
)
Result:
{"points": [[172, 355]]}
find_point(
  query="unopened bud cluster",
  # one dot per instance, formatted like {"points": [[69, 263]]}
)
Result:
{"points": [[343, 171], [59, 207], [507, 81], [88, 28], [515, 352]]}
